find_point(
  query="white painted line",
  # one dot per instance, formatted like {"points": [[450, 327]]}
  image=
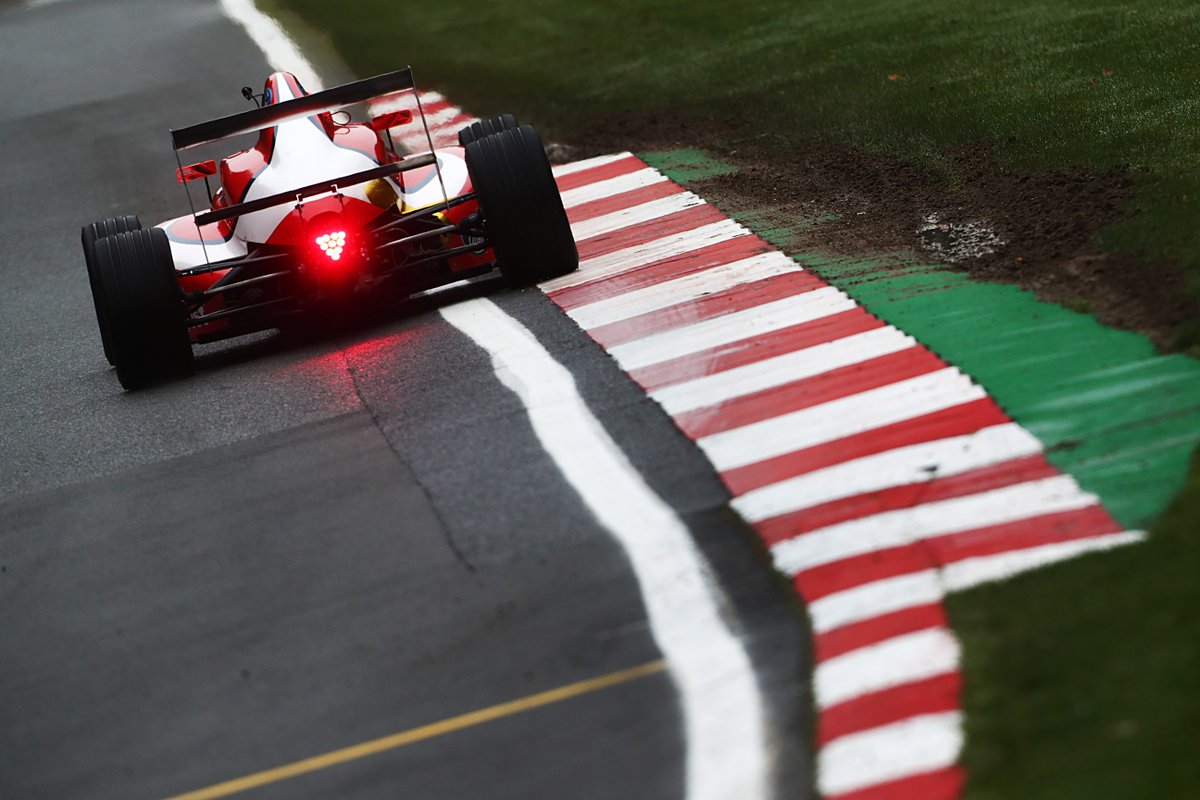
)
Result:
{"points": [[910, 747], [749, 323], [607, 188], [281, 52], [633, 215], [908, 525], [682, 290], [588, 163], [722, 706], [974, 571], [718, 387], [902, 659], [840, 418], [903, 466], [676, 245], [875, 599]]}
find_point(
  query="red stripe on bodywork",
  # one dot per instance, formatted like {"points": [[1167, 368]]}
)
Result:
{"points": [[954, 421], [809, 392], [733, 299]]}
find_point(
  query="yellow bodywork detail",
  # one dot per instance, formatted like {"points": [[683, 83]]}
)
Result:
{"points": [[381, 193]]}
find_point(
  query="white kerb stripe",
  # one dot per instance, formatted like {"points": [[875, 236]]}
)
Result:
{"points": [[974, 571], [281, 52], [747, 324], [609, 187], [893, 662], [839, 418], [875, 599], [440, 118], [888, 753], [634, 215], [682, 290], [588, 163], [430, 97], [907, 525], [903, 466], [808, 362], [406, 100], [722, 706], [676, 245]]}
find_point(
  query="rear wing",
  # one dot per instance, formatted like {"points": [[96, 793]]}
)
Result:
{"points": [[268, 116], [288, 110]]}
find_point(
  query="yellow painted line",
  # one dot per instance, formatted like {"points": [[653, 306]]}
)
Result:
{"points": [[384, 743]]}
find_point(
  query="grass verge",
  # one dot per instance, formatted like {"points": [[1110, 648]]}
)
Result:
{"points": [[1083, 679]]}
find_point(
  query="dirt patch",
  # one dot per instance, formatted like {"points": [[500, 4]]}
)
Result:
{"points": [[969, 212]]}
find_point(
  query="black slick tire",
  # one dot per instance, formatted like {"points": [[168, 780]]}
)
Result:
{"points": [[522, 210], [486, 127], [144, 309], [89, 235]]}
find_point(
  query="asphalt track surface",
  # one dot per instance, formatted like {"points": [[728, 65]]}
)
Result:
{"points": [[315, 541]]}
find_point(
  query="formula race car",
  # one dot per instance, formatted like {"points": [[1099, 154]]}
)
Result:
{"points": [[317, 214]]}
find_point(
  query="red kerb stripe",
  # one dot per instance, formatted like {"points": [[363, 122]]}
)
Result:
{"points": [[613, 169], [995, 476], [748, 351], [877, 629], [679, 222], [735, 298], [942, 784], [954, 421], [827, 579], [620, 202], [930, 696], [664, 269], [848, 573], [1065, 526], [797, 395]]}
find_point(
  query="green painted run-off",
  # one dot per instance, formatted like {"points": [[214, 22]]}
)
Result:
{"points": [[1120, 418]]}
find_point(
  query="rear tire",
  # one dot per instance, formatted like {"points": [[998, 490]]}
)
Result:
{"points": [[486, 127], [523, 212], [89, 235], [144, 309]]}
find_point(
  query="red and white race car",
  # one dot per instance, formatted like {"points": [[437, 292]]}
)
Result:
{"points": [[317, 212]]}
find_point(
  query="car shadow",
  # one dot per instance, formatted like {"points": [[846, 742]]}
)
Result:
{"points": [[339, 331]]}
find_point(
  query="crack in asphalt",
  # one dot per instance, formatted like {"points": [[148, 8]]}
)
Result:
{"points": [[352, 373]]}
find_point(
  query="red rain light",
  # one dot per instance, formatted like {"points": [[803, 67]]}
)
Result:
{"points": [[332, 244]]}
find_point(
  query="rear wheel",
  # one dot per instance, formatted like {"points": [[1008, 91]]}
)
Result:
{"points": [[486, 127], [522, 210], [89, 235], [144, 309]]}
